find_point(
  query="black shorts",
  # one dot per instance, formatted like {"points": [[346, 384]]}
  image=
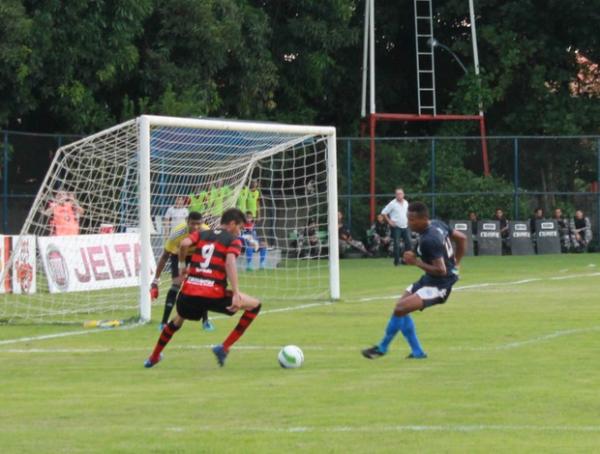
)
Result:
{"points": [[174, 259], [194, 307], [433, 291]]}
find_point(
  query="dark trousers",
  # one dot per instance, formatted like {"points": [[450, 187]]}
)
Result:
{"points": [[398, 233]]}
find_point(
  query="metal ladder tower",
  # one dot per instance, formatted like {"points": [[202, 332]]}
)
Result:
{"points": [[426, 90], [425, 57]]}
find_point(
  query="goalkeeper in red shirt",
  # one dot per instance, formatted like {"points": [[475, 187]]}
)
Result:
{"points": [[205, 280]]}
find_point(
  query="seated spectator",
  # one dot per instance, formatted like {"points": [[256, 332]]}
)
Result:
{"points": [[252, 244], [346, 242], [563, 230], [581, 231], [64, 212], [380, 236], [504, 232], [311, 237], [538, 215]]}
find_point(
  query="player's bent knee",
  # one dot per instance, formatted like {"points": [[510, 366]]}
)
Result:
{"points": [[249, 301], [178, 320], [408, 304]]}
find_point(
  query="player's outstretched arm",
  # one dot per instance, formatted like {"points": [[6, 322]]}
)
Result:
{"points": [[460, 240], [160, 266], [181, 254], [239, 300], [159, 269]]}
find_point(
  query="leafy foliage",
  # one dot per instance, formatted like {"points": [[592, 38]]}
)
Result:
{"points": [[80, 66]]}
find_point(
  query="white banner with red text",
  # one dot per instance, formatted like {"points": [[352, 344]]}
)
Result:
{"points": [[91, 262]]}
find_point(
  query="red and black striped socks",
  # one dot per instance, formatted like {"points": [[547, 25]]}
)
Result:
{"points": [[247, 318], [165, 336]]}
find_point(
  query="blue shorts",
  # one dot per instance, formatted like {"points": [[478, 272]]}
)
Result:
{"points": [[432, 291]]}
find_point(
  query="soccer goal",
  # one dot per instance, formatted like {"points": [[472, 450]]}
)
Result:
{"points": [[89, 246]]}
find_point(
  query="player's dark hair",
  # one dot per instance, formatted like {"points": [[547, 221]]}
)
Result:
{"points": [[233, 214], [249, 212], [418, 208], [194, 216]]}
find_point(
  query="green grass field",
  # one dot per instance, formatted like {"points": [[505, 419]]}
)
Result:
{"points": [[513, 367]]}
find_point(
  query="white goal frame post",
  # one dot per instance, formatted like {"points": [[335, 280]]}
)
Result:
{"points": [[202, 152], [145, 122]]}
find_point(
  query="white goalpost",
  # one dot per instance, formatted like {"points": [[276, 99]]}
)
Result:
{"points": [[89, 246]]}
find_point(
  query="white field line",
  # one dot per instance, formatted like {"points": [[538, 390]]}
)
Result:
{"points": [[299, 307], [135, 325], [533, 340], [507, 346], [66, 334], [487, 284], [394, 428]]}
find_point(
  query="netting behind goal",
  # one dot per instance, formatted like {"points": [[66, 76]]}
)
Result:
{"points": [[98, 263]]}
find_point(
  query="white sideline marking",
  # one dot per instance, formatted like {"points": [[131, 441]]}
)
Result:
{"points": [[296, 308], [101, 330], [534, 340], [397, 428], [487, 284], [507, 346], [66, 334]]}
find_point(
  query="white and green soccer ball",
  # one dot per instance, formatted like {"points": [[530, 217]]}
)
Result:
{"points": [[290, 357]]}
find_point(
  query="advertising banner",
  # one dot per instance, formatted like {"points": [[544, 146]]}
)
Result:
{"points": [[520, 238], [465, 228], [91, 262], [488, 238], [547, 239]]}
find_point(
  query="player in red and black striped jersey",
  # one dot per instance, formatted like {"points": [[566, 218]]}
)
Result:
{"points": [[205, 281]]}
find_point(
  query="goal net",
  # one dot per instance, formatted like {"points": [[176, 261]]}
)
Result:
{"points": [[90, 244]]}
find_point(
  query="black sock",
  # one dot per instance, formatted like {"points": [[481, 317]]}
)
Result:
{"points": [[169, 303]]}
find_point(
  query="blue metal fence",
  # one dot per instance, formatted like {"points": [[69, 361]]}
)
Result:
{"points": [[446, 172]]}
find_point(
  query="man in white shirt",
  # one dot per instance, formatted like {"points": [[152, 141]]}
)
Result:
{"points": [[176, 214], [395, 214]]}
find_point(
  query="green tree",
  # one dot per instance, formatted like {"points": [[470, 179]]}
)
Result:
{"points": [[81, 52], [315, 49], [15, 51], [205, 58]]}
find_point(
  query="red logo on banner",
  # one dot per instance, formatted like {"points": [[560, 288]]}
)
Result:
{"points": [[24, 269], [57, 268]]}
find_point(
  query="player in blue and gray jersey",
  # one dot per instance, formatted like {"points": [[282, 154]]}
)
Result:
{"points": [[436, 256]]}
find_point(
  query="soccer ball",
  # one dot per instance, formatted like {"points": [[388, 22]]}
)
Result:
{"points": [[290, 357]]}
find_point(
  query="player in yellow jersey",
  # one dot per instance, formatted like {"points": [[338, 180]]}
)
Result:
{"points": [[198, 200], [178, 234], [242, 199], [253, 200]]}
